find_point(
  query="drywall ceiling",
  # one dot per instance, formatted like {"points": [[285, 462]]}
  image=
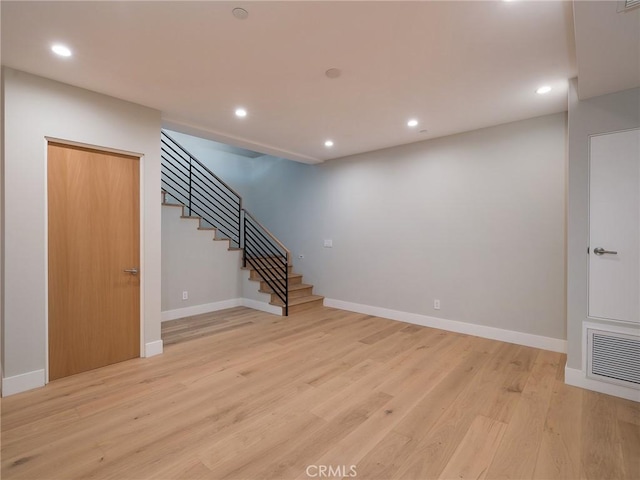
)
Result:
{"points": [[607, 47], [454, 66]]}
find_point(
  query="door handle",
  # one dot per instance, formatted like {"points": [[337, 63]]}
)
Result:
{"points": [[132, 271], [602, 251]]}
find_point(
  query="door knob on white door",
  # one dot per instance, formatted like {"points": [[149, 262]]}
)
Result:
{"points": [[602, 251], [132, 271]]}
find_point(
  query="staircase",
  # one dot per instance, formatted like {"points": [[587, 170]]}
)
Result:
{"points": [[202, 195], [300, 294]]}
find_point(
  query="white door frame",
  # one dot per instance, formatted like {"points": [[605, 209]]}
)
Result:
{"points": [[589, 246]]}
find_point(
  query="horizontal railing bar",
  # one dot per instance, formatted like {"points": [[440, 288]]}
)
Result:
{"points": [[263, 243], [269, 233], [269, 272], [251, 236], [201, 211], [202, 196], [215, 190], [277, 287], [200, 163], [265, 260], [167, 149], [267, 239], [229, 199], [230, 220], [262, 264], [273, 251], [280, 293], [236, 198], [167, 173], [232, 201], [177, 170]]}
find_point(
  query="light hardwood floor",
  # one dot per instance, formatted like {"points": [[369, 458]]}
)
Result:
{"points": [[257, 396]]}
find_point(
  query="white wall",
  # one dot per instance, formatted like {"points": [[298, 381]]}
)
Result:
{"points": [[476, 220], [192, 261], [607, 113], [36, 108]]}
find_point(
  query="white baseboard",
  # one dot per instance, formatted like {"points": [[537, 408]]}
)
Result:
{"points": [[213, 307], [509, 336], [578, 378], [200, 309], [23, 382], [152, 349], [263, 307]]}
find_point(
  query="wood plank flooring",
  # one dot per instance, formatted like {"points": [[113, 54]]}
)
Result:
{"points": [[242, 394]]}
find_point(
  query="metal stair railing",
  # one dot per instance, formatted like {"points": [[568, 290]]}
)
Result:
{"points": [[202, 193]]}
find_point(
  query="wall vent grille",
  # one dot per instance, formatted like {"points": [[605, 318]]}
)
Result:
{"points": [[625, 5], [613, 357]]}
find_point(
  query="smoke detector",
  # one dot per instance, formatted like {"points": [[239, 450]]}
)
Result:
{"points": [[240, 13], [333, 73]]}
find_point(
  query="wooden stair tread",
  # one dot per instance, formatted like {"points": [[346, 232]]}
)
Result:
{"points": [[296, 286], [298, 300], [290, 276]]}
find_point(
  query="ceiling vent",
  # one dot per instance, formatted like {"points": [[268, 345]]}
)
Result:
{"points": [[626, 5], [613, 357]]}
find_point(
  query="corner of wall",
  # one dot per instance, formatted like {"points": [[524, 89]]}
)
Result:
{"points": [[23, 382]]}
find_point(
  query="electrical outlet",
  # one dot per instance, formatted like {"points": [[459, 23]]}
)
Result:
{"points": [[185, 295], [436, 304]]}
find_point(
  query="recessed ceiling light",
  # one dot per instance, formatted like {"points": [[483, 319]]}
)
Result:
{"points": [[328, 143], [412, 123], [241, 112], [544, 89], [61, 50], [240, 13]]}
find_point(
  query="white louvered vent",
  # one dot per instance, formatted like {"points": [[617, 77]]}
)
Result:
{"points": [[625, 5], [613, 357]]}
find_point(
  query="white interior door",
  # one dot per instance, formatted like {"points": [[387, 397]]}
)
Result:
{"points": [[614, 226]]}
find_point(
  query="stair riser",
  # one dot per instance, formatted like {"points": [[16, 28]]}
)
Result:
{"points": [[254, 275], [304, 306], [303, 292], [292, 281]]}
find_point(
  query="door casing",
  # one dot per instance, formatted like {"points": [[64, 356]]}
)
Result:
{"points": [[590, 247]]}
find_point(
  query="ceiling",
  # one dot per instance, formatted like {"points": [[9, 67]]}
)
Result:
{"points": [[608, 47], [453, 66]]}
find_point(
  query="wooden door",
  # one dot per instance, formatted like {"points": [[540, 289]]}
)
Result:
{"points": [[94, 235], [614, 226]]}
